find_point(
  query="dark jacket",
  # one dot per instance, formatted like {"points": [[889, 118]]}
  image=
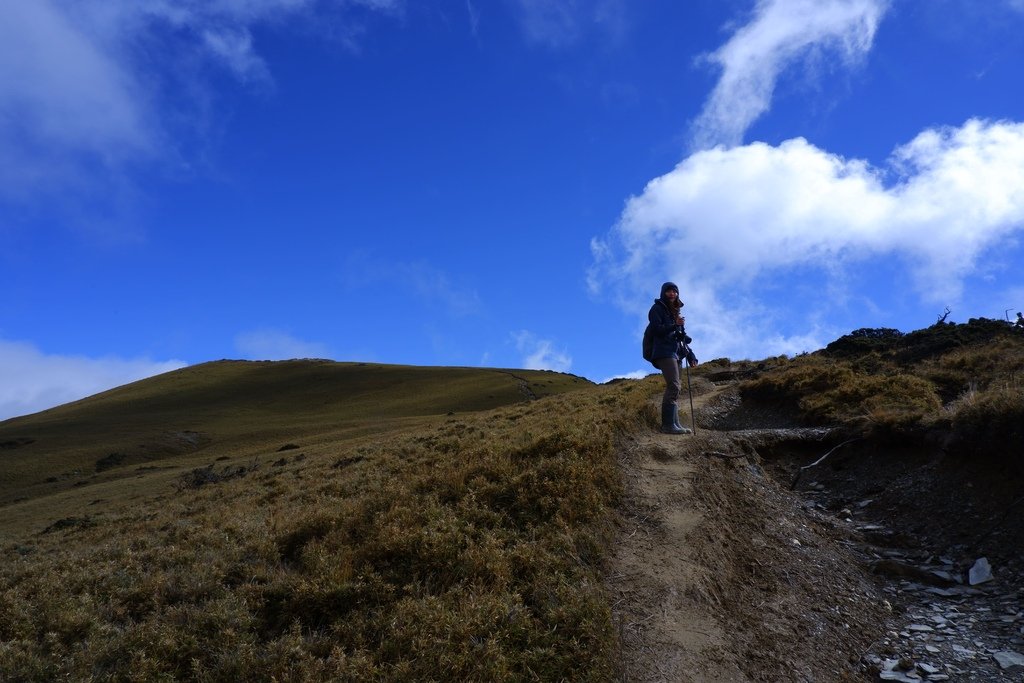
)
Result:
{"points": [[663, 325]]}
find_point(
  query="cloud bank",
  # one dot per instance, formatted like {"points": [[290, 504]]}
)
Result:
{"points": [[781, 33], [34, 380], [540, 354], [727, 222], [768, 242]]}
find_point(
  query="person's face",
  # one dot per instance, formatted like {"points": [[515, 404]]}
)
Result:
{"points": [[671, 295]]}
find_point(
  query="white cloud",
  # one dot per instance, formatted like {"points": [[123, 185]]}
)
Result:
{"points": [[780, 33], [234, 47], [636, 374], [725, 223], [84, 84], [269, 344], [34, 381], [540, 354], [62, 95]]}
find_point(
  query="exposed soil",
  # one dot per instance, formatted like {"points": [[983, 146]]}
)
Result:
{"points": [[723, 573]]}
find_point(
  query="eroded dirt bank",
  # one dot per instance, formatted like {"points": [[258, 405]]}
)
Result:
{"points": [[722, 573]]}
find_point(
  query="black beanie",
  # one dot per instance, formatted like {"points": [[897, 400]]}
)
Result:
{"points": [[667, 286]]}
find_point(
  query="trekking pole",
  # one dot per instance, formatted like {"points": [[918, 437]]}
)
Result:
{"points": [[693, 417]]}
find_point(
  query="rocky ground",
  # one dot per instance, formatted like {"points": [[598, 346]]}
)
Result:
{"points": [[734, 564]]}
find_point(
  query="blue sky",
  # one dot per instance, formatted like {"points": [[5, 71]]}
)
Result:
{"points": [[500, 184]]}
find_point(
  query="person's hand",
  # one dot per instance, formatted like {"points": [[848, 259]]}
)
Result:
{"points": [[680, 320]]}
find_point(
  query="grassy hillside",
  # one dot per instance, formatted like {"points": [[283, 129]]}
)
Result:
{"points": [[315, 521], [309, 521], [237, 409], [958, 386]]}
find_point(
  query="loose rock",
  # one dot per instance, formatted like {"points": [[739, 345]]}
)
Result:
{"points": [[1009, 661]]}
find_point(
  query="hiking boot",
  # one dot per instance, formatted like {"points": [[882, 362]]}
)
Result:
{"points": [[675, 422], [669, 421]]}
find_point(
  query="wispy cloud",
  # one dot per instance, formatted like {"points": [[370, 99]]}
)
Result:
{"points": [[780, 33], [563, 23], [550, 22], [83, 85], [726, 222], [540, 354], [474, 18], [235, 49], [63, 96], [34, 380], [426, 285], [271, 344]]}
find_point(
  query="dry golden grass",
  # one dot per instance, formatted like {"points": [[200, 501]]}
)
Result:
{"points": [[239, 410], [315, 521], [828, 392], [880, 381], [439, 547]]}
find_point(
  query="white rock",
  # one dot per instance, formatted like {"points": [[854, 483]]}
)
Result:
{"points": [[980, 572]]}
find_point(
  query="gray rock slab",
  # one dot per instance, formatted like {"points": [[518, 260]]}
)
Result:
{"points": [[1009, 661]]}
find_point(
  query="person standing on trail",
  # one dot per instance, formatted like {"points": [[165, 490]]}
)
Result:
{"points": [[666, 325], [1020, 320]]}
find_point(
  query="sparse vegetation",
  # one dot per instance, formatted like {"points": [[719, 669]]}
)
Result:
{"points": [[885, 382], [991, 422], [469, 548]]}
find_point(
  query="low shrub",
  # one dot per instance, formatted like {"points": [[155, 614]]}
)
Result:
{"points": [[825, 391], [991, 423]]}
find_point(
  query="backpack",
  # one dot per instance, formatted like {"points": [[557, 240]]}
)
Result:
{"points": [[648, 346]]}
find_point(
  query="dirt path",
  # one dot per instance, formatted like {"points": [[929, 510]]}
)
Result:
{"points": [[666, 631], [722, 571], [720, 574]]}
